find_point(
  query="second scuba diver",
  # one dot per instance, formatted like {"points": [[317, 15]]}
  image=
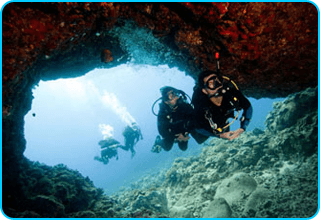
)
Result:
{"points": [[175, 120], [132, 135], [108, 150]]}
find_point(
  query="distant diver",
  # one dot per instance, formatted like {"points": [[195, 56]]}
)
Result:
{"points": [[216, 98], [132, 135], [108, 150], [175, 120]]}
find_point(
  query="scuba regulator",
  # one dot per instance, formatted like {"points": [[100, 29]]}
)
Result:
{"points": [[223, 83]]}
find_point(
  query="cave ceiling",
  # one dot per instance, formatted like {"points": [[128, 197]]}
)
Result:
{"points": [[269, 49]]}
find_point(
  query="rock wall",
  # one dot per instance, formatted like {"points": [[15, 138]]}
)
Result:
{"points": [[44, 191], [267, 47]]}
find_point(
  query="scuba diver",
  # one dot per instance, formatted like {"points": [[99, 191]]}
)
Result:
{"points": [[132, 135], [108, 150], [215, 100], [174, 120]]}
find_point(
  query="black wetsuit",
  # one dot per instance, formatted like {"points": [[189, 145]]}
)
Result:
{"points": [[109, 148], [210, 119], [172, 122], [131, 137]]}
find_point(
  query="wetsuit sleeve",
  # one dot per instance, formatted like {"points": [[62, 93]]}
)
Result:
{"points": [[200, 102], [162, 126], [247, 111], [163, 123], [246, 117], [189, 123]]}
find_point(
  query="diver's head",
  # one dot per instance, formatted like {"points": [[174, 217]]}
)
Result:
{"points": [[134, 126], [170, 95], [210, 79], [211, 83]]}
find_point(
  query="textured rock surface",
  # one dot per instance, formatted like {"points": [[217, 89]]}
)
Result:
{"points": [[152, 200], [233, 189], [270, 49], [255, 175], [218, 208], [51, 192]]}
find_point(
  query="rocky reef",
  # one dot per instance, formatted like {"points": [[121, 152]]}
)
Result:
{"points": [[271, 174], [262, 174], [47, 192], [52, 192]]}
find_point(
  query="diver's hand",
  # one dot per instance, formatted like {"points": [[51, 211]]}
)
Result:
{"points": [[180, 137], [237, 133], [230, 135], [226, 135]]}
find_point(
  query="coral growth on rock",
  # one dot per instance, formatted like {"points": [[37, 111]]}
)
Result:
{"points": [[271, 173], [53, 192]]}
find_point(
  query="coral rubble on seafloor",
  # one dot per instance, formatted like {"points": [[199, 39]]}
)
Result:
{"points": [[271, 173]]}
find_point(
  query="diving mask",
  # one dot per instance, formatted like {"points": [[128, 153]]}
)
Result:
{"points": [[171, 95], [213, 82]]}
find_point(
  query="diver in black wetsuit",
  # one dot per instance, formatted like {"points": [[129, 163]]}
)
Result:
{"points": [[108, 150], [174, 120], [132, 135], [215, 100]]}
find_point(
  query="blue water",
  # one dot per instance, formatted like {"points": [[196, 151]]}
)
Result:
{"points": [[65, 127]]}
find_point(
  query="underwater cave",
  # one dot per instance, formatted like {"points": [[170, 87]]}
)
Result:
{"points": [[63, 123], [48, 41]]}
